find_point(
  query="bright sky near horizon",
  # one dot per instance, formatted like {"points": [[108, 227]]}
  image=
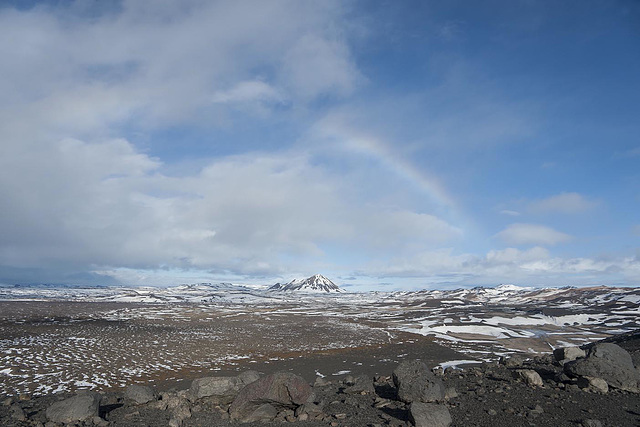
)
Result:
{"points": [[385, 144]]}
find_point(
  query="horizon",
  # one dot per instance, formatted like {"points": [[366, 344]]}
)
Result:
{"points": [[391, 145]]}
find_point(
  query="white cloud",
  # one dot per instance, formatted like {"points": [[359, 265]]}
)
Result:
{"points": [[531, 234], [161, 64], [565, 203], [316, 65], [248, 91], [534, 266], [103, 206]]}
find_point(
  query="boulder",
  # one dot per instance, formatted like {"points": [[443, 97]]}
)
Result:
{"points": [[530, 377], [567, 354], [429, 415], [221, 389], [247, 377], [593, 384], [282, 390], [611, 363], [82, 406], [416, 383], [139, 394]]}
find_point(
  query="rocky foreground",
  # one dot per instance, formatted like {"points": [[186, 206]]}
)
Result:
{"points": [[597, 385]]}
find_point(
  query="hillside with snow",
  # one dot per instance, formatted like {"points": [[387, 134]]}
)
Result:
{"points": [[316, 283]]}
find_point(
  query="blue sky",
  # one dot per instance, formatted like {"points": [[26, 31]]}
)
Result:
{"points": [[385, 144]]}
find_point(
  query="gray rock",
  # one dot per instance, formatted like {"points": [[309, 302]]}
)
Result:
{"points": [[635, 356], [593, 384], [83, 406], [512, 361], [247, 377], [139, 394], [529, 377], [179, 414], [224, 389], [416, 383], [264, 412], [282, 390], [309, 409], [611, 363], [450, 393], [321, 382], [429, 415], [567, 354], [361, 384], [591, 423], [17, 413]]}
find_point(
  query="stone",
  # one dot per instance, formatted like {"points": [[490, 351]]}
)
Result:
{"points": [[309, 409], [611, 363], [591, 423], [180, 413], [321, 382], [223, 389], [512, 361], [17, 413], [82, 406], [416, 383], [597, 385], [247, 377], [568, 354], [264, 412], [282, 390], [429, 415], [139, 394], [530, 377], [450, 393], [361, 384], [97, 421]]}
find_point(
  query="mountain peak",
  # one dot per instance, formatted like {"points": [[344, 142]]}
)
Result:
{"points": [[315, 283]]}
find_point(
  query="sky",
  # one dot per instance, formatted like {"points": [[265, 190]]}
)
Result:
{"points": [[384, 144]]}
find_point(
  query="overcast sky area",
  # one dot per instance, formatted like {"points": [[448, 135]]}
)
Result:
{"points": [[385, 144]]}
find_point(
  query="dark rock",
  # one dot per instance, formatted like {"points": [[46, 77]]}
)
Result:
{"points": [[139, 394], [416, 383], [17, 413], [282, 390], [429, 415], [611, 363], [361, 385], [83, 406]]}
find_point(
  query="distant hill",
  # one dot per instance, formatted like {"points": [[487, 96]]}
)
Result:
{"points": [[316, 283]]}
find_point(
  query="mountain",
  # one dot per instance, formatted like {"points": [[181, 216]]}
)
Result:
{"points": [[316, 283]]}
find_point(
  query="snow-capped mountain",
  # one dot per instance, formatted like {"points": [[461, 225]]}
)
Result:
{"points": [[316, 283]]}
